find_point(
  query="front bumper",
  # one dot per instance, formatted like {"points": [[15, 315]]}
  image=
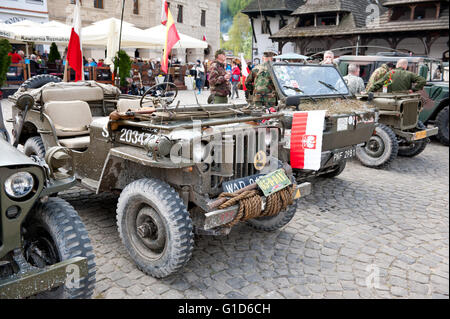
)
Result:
{"points": [[417, 136], [35, 280], [224, 216]]}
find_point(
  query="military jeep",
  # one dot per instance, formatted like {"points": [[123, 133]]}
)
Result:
{"points": [[179, 169], [434, 96], [348, 123], [45, 251]]}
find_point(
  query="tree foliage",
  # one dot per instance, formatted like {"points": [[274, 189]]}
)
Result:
{"points": [[240, 36], [54, 53], [235, 6], [5, 59], [124, 66]]}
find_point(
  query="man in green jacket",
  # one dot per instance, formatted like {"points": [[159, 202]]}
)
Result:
{"points": [[400, 80]]}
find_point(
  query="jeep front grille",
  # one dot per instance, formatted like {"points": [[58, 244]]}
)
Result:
{"points": [[410, 114]]}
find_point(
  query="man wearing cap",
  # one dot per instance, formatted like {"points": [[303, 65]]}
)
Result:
{"points": [[219, 79], [260, 85]]}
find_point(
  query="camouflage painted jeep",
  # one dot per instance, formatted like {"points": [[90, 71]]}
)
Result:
{"points": [[180, 170], [434, 95], [44, 247]]}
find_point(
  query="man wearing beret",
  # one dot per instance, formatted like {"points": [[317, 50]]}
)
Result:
{"points": [[219, 79]]}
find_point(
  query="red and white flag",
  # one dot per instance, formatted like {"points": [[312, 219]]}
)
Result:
{"points": [[204, 38], [245, 71], [164, 12], [306, 140], [74, 50]]}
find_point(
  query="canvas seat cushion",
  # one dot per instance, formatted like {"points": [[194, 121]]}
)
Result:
{"points": [[70, 118], [83, 93], [124, 105], [81, 142]]}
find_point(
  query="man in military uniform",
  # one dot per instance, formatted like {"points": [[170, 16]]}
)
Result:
{"points": [[354, 82], [219, 79], [400, 80], [379, 73], [260, 85], [328, 59]]}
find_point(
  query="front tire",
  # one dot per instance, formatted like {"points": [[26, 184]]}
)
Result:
{"points": [[55, 233], [411, 149], [34, 146], [381, 150], [337, 171], [276, 222], [155, 227], [442, 124]]}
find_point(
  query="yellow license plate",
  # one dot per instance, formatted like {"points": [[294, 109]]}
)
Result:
{"points": [[420, 135]]}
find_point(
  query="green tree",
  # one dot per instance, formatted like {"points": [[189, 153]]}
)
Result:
{"points": [[124, 66], [235, 6], [5, 59], [54, 53], [240, 35]]}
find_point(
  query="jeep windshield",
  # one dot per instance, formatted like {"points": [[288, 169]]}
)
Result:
{"points": [[309, 80]]}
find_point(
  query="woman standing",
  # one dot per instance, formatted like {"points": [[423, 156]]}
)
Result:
{"points": [[236, 72], [200, 75]]}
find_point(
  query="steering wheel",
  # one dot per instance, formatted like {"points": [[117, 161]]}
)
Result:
{"points": [[163, 90]]}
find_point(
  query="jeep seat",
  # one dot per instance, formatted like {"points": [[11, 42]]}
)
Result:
{"points": [[70, 119], [83, 93], [124, 105]]}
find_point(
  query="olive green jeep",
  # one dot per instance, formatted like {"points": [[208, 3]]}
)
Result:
{"points": [[45, 250], [179, 169]]}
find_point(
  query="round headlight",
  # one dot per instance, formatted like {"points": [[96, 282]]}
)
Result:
{"points": [[19, 185]]}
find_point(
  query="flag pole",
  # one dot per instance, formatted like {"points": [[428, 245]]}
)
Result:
{"points": [[120, 38]]}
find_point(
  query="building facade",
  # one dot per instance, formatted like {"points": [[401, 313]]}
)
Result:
{"points": [[12, 11], [196, 19], [367, 27], [267, 18]]}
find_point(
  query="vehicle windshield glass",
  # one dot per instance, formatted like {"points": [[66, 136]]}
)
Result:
{"points": [[309, 80]]}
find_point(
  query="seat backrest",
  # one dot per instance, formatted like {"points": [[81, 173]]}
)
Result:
{"points": [[70, 118], [83, 93], [124, 105]]}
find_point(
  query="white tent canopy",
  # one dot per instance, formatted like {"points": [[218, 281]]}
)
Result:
{"points": [[186, 42], [41, 33]]}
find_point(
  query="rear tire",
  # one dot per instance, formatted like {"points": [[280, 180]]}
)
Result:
{"points": [[273, 223], [55, 233], [34, 146], [442, 124], [337, 171], [381, 150], [39, 81], [155, 227], [412, 149]]}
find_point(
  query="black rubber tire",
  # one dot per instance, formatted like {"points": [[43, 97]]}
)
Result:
{"points": [[338, 171], [273, 223], [70, 238], [442, 124], [34, 146], [173, 222], [39, 81], [414, 148], [390, 151]]}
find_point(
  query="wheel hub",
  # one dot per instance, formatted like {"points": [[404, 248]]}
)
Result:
{"points": [[375, 146], [150, 229]]}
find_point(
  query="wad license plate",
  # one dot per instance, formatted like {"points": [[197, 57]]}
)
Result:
{"points": [[237, 184], [344, 154], [273, 182], [420, 135]]}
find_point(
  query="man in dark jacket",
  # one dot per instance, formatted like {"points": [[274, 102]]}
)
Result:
{"points": [[219, 79]]}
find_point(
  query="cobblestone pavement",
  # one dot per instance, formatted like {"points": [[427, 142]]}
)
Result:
{"points": [[392, 222]]}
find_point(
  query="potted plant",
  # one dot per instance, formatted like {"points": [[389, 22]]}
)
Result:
{"points": [[5, 62], [54, 53], [123, 62]]}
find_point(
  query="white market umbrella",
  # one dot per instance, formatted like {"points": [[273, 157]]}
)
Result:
{"points": [[186, 42], [106, 33]]}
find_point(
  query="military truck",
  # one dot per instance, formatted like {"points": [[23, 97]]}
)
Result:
{"points": [[45, 251], [179, 169], [348, 123], [434, 96]]}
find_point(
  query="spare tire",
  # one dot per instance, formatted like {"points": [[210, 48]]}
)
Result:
{"points": [[39, 81]]}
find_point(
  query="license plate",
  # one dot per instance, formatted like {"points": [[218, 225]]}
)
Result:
{"points": [[237, 184], [133, 137], [273, 182], [420, 135], [345, 154]]}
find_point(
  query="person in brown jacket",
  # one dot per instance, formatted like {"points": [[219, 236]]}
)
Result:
{"points": [[219, 79]]}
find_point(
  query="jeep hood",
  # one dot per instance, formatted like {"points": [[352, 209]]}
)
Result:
{"points": [[10, 156]]}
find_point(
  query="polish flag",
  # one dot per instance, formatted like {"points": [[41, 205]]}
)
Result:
{"points": [[306, 140], [74, 50], [164, 10], [245, 71], [204, 38]]}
